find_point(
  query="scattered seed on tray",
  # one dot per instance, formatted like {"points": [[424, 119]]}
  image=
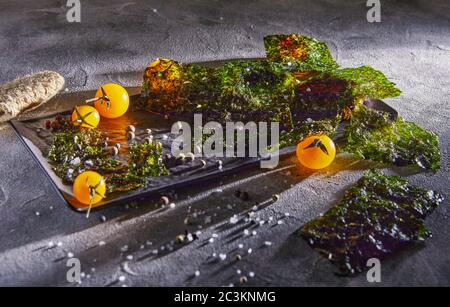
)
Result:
{"points": [[275, 197], [243, 280], [164, 200], [180, 239]]}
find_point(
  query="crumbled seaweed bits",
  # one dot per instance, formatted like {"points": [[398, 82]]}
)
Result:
{"points": [[377, 217], [299, 52], [146, 160], [372, 135], [75, 150]]}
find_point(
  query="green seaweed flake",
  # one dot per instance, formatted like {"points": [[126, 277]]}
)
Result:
{"points": [[378, 216], [372, 135], [367, 83], [299, 53]]}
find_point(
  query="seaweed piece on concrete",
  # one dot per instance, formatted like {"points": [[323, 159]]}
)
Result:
{"points": [[377, 217]]}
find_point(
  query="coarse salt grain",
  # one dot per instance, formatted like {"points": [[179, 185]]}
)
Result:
{"points": [[233, 219]]}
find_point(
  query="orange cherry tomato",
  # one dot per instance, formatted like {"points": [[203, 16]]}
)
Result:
{"points": [[114, 100], [316, 151], [85, 116], [89, 188]]}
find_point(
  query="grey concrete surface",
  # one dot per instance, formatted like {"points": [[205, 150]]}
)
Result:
{"points": [[114, 42]]}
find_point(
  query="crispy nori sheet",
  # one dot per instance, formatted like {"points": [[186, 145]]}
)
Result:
{"points": [[296, 52], [372, 135], [377, 217], [298, 85]]}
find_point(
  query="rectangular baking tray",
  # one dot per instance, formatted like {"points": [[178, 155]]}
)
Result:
{"points": [[182, 176]]}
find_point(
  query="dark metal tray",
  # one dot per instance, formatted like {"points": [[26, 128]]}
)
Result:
{"points": [[33, 135]]}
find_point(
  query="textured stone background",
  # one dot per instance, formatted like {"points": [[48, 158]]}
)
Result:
{"points": [[114, 42]]}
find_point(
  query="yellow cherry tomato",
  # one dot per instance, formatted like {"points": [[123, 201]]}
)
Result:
{"points": [[114, 100], [89, 188], [316, 151], [85, 116]]}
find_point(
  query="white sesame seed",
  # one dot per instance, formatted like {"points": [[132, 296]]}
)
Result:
{"points": [[238, 272], [251, 274], [122, 278], [69, 255], [267, 243], [280, 222], [101, 243], [215, 235], [249, 251], [241, 246], [211, 240], [246, 232], [254, 233], [51, 244], [223, 256], [130, 257], [59, 244], [197, 273], [172, 205]]}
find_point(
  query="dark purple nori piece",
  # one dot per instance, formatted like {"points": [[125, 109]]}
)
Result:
{"points": [[377, 217]]}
